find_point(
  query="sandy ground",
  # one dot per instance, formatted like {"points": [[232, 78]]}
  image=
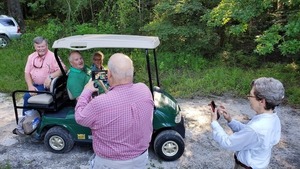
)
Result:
{"points": [[200, 152]]}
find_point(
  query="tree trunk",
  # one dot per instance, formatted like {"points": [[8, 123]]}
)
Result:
{"points": [[14, 10]]}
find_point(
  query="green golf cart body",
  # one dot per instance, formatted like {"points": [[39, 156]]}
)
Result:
{"points": [[58, 127]]}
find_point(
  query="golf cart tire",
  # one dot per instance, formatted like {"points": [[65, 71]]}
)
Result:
{"points": [[169, 145], [58, 140]]}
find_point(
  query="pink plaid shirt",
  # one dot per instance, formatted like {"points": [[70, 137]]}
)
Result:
{"points": [[120, 120], [41, 67]]}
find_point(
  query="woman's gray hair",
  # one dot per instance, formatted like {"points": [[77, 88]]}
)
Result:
{"points": [[270, 89], [39, 40]]}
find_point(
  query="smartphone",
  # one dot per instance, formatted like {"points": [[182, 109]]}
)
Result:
{"points": [[213, 108], [213, 105], [99, 75]]}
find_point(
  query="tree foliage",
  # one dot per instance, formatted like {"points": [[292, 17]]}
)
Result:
{"points": [[272, 24], [197, 27], [179, 23]]}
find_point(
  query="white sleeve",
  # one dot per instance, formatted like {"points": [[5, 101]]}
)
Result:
{"points": [[241, 140], [236, 125]]}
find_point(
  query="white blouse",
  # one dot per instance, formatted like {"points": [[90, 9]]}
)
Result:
{"points": [[253, 141]]}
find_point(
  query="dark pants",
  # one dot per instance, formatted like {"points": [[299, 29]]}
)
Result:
{"points": [[239, 165], [27, 96]]}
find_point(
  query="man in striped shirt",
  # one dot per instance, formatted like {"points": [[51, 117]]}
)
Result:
{"points": [[120, 120]]}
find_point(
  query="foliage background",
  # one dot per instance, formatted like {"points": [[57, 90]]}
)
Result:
{"points": [[207, 47]]}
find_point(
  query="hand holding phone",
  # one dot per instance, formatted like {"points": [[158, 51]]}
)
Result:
{"points": [[213, 108], [99, 78]]}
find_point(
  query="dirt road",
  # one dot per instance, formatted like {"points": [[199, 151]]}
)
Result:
{"points": [[200, 152]]}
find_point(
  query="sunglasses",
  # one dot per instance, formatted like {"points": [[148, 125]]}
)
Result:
{"points": [[250, 96], [36, 65]]}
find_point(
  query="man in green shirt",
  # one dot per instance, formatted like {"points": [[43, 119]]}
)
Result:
{"points": [[79, 74]]}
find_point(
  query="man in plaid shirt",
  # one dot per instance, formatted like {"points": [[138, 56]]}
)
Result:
{"points": [[120, 120]]}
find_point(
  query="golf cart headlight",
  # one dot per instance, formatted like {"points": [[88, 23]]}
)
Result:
{"points": [[178, 117]]}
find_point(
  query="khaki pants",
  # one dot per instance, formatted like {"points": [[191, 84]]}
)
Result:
{"points": [[139, 162]]}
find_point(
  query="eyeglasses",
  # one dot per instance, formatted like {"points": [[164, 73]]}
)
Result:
{"points": [[35, 65], [250, 96]]}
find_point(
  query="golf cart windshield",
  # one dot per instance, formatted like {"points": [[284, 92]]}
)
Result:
{"points": [[90, 41]]}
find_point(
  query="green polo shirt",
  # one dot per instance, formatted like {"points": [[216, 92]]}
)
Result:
{"points": [[77, 79]]}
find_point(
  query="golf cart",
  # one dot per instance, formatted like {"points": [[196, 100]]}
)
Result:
{"points": [[57, 125]]}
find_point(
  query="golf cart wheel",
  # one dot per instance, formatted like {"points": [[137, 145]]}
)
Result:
{"points": [[58, 140], [3, 41], [169, 145]]}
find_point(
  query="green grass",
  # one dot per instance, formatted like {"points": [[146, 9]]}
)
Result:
{"points": [[217, 78], [5, 165]]}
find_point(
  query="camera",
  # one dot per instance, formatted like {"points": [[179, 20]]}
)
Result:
{"points": [[100, 81], [99, 75]]}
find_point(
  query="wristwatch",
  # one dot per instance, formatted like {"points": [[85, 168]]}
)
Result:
{"points": [[51, 78]]}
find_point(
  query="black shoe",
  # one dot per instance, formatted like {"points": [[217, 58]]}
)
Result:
{"points": [[15, 131], [36, 138]]}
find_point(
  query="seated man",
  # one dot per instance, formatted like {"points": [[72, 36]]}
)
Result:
{"points": [[40, 69], [79, 74]]}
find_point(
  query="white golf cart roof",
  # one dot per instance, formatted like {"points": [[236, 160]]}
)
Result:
{"points": [[89, 41]]}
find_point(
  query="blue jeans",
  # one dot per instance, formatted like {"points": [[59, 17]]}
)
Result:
{"points": [[27, 96]]}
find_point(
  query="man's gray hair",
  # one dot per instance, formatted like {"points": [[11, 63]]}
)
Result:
{"points": [[270, 89], [74, 51], [39, 40]]}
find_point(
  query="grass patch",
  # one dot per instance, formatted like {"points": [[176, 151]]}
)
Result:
{"points": [[5, 165]]}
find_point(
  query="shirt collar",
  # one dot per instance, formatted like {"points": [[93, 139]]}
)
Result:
{"points": [[265, 115], [43, 57], [76, 70], [85, 69], [37, 56], [121, 86]]}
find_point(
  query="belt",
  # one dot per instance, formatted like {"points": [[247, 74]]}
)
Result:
{"points": [[144, 151], [240, 163]]}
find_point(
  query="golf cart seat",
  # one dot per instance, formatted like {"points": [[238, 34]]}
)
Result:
{"points": [[50, 99]]}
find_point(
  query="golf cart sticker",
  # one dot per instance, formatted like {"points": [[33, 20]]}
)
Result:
{"points": [[81, 136], [90, 137]]}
